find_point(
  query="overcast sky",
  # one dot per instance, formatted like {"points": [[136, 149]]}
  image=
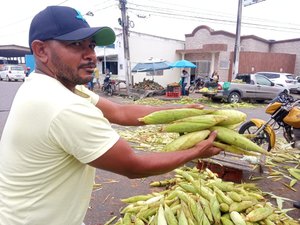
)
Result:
{"points": [[269, 19]]}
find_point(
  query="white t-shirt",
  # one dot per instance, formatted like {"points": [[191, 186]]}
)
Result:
{"points": [[50, 136]]}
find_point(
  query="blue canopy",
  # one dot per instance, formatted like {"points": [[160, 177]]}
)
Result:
{"points": [[183, 64], [151, 66]]}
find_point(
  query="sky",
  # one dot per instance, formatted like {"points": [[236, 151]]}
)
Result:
{"points": [[269, 19]]}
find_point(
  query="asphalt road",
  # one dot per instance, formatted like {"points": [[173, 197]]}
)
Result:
{"points": [[105, 201]]}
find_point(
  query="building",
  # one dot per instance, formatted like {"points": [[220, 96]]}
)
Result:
{"points": [[213, 51], [143, 48], [13, 54]]}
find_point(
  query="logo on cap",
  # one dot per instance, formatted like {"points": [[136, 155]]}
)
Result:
{"points": [[79, 16]]}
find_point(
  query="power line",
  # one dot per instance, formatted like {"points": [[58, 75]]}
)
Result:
{"points": [[175, 14]]}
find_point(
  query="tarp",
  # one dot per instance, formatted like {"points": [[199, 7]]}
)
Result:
{"points": [[151, 66]]}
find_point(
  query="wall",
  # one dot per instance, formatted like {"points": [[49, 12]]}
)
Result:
{"points": [[254, 45], [144, 47], [289, 46], [251, 62]]}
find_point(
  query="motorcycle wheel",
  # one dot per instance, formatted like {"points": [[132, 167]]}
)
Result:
{"points": [[262, 139], [288, 135], [191, 89], [109, 91]]}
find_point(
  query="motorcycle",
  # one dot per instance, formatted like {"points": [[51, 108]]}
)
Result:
{"points": [[108, 85], [285, 116], [197, 84]]}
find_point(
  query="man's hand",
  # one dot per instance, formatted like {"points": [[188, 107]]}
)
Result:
{"points": [[206, 148], [195, 106]]}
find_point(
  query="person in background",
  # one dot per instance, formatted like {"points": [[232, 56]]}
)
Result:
{"points": [[97, 76], [184, 81], [215, 77], [91, 83], [27, 71], [58, 132]]}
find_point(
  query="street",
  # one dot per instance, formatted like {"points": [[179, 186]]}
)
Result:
{"points": [[105, 202]]}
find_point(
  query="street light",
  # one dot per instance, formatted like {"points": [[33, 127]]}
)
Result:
{"points": [[89, 13]]}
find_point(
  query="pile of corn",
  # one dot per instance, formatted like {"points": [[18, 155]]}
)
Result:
{"points": [[190, 100], [195, 197], [195, 125]]}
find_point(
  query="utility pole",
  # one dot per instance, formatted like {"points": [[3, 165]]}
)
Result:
{"points": [[236, 55], [125, 31]]}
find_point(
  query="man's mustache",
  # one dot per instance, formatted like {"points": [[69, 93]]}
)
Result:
{"points": [[87, 65]]}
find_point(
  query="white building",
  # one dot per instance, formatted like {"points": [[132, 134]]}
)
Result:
{"points": [[142, 47]]}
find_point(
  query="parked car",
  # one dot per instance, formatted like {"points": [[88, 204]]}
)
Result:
{"points": [[298, 79], [286, 80], [12, 73], [246, 86]]}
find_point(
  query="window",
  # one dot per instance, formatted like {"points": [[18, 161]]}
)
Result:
{"points": [[262, 80], [224, 64]]}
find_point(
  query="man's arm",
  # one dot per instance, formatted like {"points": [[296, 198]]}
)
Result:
{"points": [[121, 159], [128, 114]]}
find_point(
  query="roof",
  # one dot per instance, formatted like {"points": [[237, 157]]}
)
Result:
{"points": [[14, 51]]}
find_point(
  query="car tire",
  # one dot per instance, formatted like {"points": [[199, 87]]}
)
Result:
{"points": [[216, 99], [261, 101], [234, 97]]}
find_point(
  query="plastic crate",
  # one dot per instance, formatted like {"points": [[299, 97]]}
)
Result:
{"points": [[173, 94]]}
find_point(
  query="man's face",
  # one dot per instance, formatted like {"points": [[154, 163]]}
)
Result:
{"points": [[73, 62]]}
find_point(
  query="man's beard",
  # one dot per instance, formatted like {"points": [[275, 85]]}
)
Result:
{"points": [[65, 73]]}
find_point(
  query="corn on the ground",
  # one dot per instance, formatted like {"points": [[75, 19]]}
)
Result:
{"points": [[237, 218], [259, 214]]}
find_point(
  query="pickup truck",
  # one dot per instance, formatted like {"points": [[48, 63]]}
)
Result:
{"points": [[244, 87]]}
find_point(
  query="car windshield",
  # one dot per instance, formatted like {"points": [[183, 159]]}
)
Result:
{"points": [[20, 68]]}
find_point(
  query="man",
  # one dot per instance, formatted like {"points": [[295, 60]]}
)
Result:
{"points": [[97, 76], [184, 81], [58, 133]]}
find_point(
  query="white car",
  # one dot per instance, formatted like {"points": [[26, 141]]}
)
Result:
{"points": [[12, 73], [286, 80]]}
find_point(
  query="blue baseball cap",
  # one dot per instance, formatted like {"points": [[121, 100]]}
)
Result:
{"points": [[67, 24]]}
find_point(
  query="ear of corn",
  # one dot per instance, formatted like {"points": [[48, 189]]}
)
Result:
{"points": [[187, 141], [240, 206], [185, 127], [234, 116], [170, 217], [170, 115], [233, 138], [206, 119], [215, 209], [138, 221], [233, 149], [259, 214], [226, 221], [182, 220], [161, 216], [193, 123], [237, 218], [234, 196]]}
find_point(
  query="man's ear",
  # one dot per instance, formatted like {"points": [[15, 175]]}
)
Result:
{"points": [[39, 50]]}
